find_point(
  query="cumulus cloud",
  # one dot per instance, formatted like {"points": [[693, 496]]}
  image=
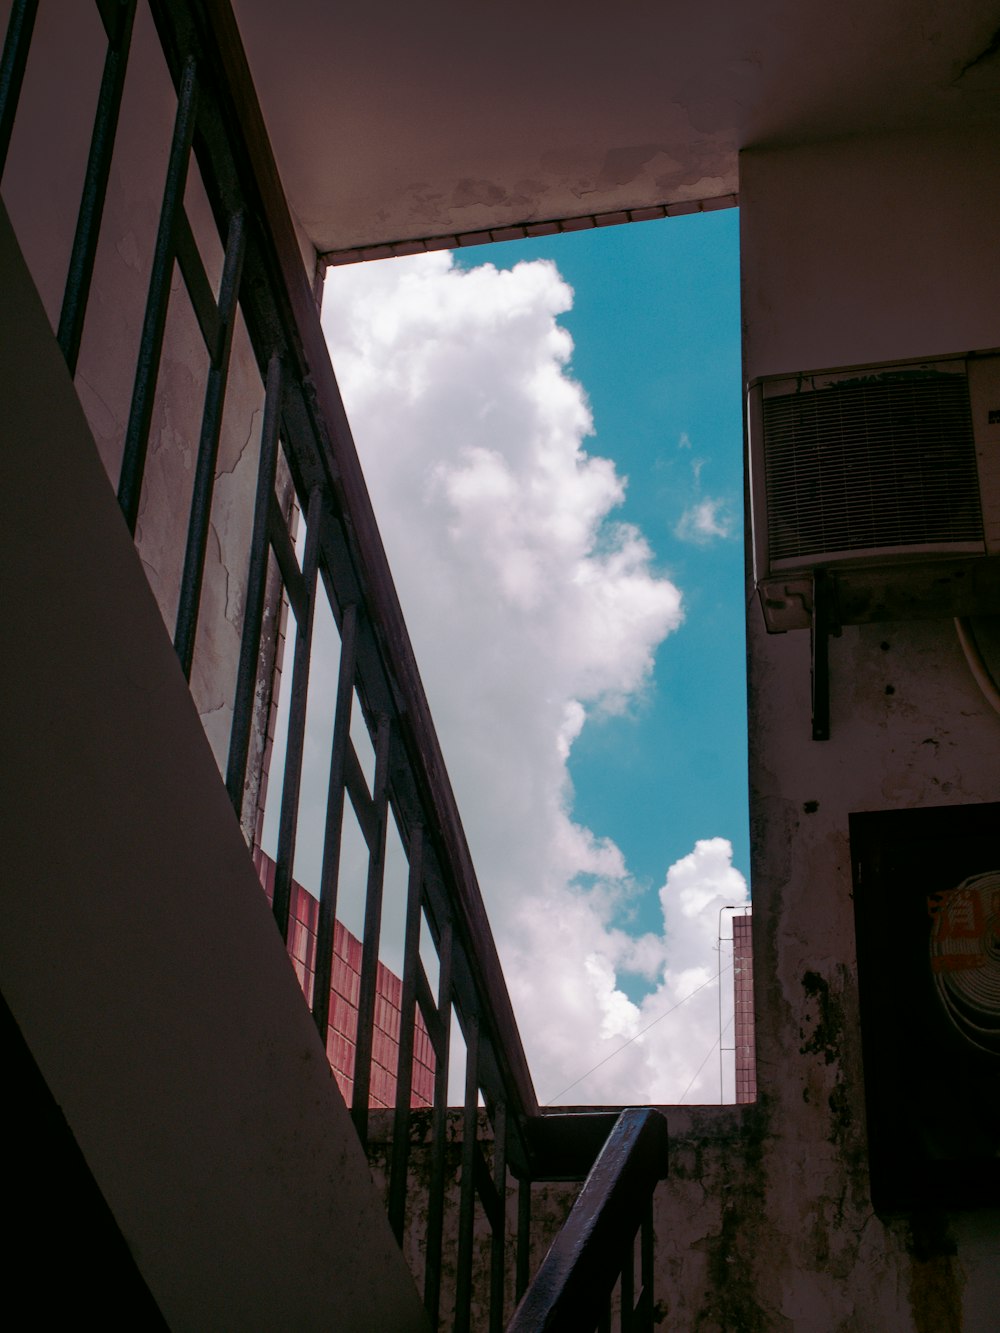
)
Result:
{"points": [[531, 605], [706, 521], [672, 1035]]}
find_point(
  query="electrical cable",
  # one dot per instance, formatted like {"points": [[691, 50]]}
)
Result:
{"points": [[717, 1042], [977, 665], [641, 1033]]}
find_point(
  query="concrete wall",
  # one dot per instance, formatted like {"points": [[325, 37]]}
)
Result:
{"points": [[860, 250], [870, 249], [137, 952], [550, 1207], [703, 1216]]}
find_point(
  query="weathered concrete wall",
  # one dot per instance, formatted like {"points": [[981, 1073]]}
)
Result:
{"points": [[41, 189], [853, 251], [706, 1218], [765, 1223], [550, 1206]]}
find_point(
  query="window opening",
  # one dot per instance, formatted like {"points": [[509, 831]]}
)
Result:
{"points": [[618, 604]]}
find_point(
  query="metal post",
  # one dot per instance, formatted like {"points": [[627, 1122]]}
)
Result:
{"points": [[373, 926], [330, 871], [155, 320], [439, 1131], [467, 1199], [12, 65], [407, 1023], [208, 452], [246, 675], [289, 817], [498, 1239], [95, 186], [820, 649]]}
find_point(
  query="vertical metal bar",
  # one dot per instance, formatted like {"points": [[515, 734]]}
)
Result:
{"points": [[95, 185], [628, 1285], [12, 65], [246, 674], [154, 322], [373, 925], [292, 780], [407, 1024], [498, 1255], [467, 1197], [439, 1131], [820, 647], [330, 872], [646, 1242], [523, 1270], [189, 601]]}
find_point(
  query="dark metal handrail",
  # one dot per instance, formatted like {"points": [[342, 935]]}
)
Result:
{"points": [[219, 126], [572, 1289], [281, 309]]}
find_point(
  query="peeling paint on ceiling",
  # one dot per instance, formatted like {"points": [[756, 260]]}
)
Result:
{"points": [[393, 123]]}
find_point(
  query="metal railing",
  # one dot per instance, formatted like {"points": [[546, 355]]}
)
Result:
{"points": [[591, 1266], [218, 126]]}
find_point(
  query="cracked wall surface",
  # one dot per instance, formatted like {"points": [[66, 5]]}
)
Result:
{"points": [[42, 194]]}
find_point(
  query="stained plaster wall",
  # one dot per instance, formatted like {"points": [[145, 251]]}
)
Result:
{"points": [[550, 1217], [551, 1204], [41, 190], [711, 1263], [854, 251], [704, 1216]]}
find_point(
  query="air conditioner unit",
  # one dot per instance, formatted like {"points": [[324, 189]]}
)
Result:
{"points": [[884, 477]]}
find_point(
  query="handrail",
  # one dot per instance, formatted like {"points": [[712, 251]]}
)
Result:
{"points": [[387, 670], [596, 1244]]}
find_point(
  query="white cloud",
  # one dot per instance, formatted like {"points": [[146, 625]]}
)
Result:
{"points": [[671, 1034], [706, 521], [530, 605]]}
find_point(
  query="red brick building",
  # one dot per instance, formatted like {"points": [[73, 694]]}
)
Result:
{"points": [[341, 1037], [743, 1022]]}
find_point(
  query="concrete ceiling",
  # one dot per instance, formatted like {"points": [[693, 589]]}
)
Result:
{"points": [[401, 123]]}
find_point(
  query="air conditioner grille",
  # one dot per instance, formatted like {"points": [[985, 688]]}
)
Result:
{"points": [[860, 465]]}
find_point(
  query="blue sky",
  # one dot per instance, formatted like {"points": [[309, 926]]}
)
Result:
{"points": [[551, 435], [656, 332]]}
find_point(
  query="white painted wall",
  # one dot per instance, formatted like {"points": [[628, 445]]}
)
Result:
{"points": [[870, 249]]}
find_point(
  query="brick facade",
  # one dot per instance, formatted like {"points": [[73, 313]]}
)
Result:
{"points": [[344, 989], [743, 1035]]}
